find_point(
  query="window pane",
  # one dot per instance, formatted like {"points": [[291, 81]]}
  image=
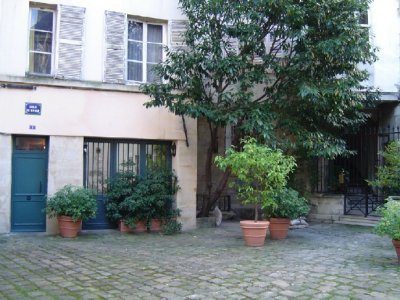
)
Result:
{"points": [[30, 143], [40, 63], [41, 41], [154, 33], [135, 31], [135, 71], [151, 75], [154, 53], [135, 51], [41, 20]]}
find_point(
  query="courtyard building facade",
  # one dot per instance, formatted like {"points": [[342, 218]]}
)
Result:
{"points": [[72, 111]]}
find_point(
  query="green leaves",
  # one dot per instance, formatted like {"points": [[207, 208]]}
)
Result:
{"points": [[277, 69], [260, 171], [73, 201], [389, 174], [390, 221]]}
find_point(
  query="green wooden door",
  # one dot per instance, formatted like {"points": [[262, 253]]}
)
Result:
{"points": [[29, 184]]}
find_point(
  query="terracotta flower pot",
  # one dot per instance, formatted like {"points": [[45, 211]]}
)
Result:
{"points": [[123, 227], [278, 228], [155, 225], [254, 232], [67, 227], [396, 244], [140, 227]]}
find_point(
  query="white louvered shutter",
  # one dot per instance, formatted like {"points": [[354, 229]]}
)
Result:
{"points": [[70, 45], [114, 68], [177, 30]]}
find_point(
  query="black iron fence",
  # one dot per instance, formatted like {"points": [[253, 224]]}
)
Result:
{"points": [[349, 175]]}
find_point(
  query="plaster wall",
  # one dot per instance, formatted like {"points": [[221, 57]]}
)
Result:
{"points": [[70, 112], [5, 182]]}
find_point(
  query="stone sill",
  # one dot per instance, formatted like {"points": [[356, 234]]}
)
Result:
{"points": [[69, 84]]}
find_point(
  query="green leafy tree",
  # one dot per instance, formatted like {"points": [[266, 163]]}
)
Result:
{"points": [[388, 175], [284, 71], [261, 172]]}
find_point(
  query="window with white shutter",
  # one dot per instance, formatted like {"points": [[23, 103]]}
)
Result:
{"points": [[41, 41], [70, 45], [114, 68]]}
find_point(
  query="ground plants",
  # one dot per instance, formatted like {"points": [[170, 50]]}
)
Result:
{"points": [[389, 224], [261, 172], [73, 201], [71, 205], [118, 188], [388, 175], [287, 203]]}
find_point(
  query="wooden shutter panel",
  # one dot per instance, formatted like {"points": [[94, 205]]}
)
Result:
{"points": [[177, 30], [115, 47], [70, 45]]}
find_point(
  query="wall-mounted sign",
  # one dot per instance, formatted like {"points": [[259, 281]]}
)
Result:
{"points": [[33, 108]]}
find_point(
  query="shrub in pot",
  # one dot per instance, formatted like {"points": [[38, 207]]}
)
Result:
{"points": [[260, 173], [388, 175], [71, 205], [118, 188], [389, 224], [151, 199], [286, 205]]}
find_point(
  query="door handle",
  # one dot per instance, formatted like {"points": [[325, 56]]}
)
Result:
{"points": [[40, 186]]}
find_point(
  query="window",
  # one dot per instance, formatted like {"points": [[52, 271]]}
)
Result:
{"points": [[41, 41], [145, 50]]}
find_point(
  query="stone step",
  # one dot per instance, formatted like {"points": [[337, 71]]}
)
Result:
{"points": [[358, 220]]}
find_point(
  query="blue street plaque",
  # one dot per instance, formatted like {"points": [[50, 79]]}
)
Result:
{"points": [[33, 108]]}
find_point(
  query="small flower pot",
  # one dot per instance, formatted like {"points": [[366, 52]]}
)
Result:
{"points": [[278, 228], [140, 227], [396, 244], [123, 227], [254, 232], [67, 227], [155, 225]]}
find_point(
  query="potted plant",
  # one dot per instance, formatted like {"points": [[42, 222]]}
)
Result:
{"points": [[261, 172], [286, 205], [118, 188], [389, 224], [388, 175], [71, 205]]}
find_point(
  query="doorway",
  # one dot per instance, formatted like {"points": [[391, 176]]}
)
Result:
{"points": [[29, 183]]}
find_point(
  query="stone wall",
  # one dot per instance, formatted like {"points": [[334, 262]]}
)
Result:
{"points": [[65, 167], [5, 182], [325, 208]]}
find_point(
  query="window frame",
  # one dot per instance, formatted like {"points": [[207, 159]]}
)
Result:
{"points": [[144, 42], [53, 41]]}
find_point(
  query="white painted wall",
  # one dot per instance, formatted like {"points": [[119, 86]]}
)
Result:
{"points": [[384, 19]]}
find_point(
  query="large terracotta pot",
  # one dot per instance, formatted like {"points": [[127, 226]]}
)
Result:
{"points": [[155, 225], [396, 244], [254, 232], [140, 227], [123, 227], [278, 228], [67, 227]]}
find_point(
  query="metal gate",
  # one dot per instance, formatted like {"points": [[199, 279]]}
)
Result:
{"points": [[104, 158], [349, 175]]}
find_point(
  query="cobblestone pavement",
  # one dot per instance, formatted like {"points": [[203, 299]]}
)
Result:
{"points": [[319, 262]]}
